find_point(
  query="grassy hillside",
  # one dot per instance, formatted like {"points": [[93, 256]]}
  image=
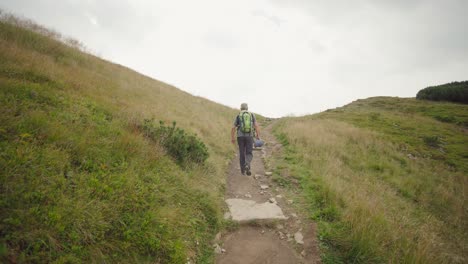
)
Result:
{"points": [[80, 179], [385, 178]]}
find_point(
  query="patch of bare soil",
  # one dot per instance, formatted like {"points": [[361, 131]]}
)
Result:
{"points": [[280, 241]]}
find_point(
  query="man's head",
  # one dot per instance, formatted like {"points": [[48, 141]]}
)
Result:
{"points": [[244, 106]]}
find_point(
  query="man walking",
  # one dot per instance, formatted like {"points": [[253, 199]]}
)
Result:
{"points": [[246, 126]]}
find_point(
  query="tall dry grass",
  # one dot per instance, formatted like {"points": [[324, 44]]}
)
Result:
{"points": [[131, 95], [356, 182]]}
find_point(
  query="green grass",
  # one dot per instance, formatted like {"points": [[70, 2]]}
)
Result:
{"points": [[80, 180], [384, 179], [78, 185], [426, 129]]}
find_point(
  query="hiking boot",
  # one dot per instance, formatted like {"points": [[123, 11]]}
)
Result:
{"points": [[247, 170]]}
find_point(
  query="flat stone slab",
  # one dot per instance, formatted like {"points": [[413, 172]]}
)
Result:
{"points": [[248, 210]]}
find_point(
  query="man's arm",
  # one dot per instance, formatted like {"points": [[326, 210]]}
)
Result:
{"points": [[233, 131], [257, 129]]}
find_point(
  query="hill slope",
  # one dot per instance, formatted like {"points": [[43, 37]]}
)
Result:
{"points": [[80, 181], [386, 179]]}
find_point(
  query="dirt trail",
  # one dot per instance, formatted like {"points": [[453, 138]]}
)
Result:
{"points": [[263, 241]]}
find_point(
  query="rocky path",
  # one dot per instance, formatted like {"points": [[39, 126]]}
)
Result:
{"points": [[269, 229]]}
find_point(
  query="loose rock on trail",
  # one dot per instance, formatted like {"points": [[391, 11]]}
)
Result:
{"points": [[269, 230]]}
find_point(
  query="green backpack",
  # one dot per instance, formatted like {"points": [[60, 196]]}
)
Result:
{"points": [[246, 121]]}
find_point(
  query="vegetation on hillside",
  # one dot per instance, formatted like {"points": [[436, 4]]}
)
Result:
{"points": [[451, 92], [185, 148], [385, 178], [81, 179]]}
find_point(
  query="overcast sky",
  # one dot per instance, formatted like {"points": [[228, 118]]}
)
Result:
{"points": [[281, 56]]}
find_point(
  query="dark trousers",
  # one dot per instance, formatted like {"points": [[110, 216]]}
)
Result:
{"points": [[245, 151]]}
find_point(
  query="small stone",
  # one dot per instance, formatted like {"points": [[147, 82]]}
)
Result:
{"points": [[217, 249], [272, 200], [68, 174], [294, 215], [264, 187], [268, 173], [262, 192], [281, 235], [279, 196], [248, 196], [263, 232], [256, 176], [303, 253], [290, 201], [223, 250], [227, 216], [299, 238]]}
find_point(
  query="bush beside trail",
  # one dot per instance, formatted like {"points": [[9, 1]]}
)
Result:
{"points": [[453, 92], [185, 148]]}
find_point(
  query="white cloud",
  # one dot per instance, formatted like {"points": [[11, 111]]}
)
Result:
{"points": [[92, 19], [294, 56]]}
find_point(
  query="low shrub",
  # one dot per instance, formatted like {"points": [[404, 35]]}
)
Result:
{"points": [[185, 148], [432, 141]]}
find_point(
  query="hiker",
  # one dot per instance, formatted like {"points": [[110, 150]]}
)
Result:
{"points": [[245, 124]]}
